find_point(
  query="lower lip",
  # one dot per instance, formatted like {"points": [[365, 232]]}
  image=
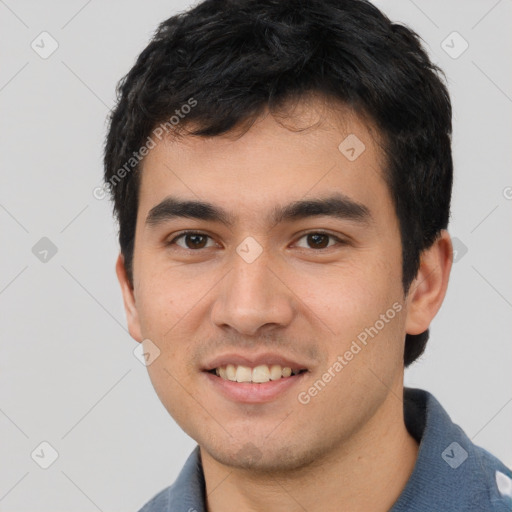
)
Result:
{"points": [[253, 393]]}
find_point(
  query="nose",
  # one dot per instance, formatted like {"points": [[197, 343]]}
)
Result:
{"points": [[253, 298]]}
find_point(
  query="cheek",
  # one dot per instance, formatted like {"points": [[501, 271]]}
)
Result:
{"points": [[347, 297], [167, 296], [359, 309], [172, 388], [169, 308]]}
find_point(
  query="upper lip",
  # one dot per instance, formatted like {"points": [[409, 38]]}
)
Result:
{"points": [[253, 360]]}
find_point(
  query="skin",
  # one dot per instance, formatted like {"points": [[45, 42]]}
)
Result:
{"points": [[348, 448]]}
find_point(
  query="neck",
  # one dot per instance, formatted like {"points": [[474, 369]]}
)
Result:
{"points": [[367, 472]]}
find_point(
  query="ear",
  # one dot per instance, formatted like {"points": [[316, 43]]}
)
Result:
{"points": [[132, 315], [427, 291]]}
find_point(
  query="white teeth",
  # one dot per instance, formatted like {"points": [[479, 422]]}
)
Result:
{"points": [[231, 372], [287, 372], [243, 374], [260, 374], [275, 372]]}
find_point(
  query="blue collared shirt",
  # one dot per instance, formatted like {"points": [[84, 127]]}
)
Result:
{"points": [[451, 473]]}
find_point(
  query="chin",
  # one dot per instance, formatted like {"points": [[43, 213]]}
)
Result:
{"points": [[267, 458]]}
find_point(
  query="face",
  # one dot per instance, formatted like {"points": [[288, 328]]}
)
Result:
{"points": [[293, 264]]}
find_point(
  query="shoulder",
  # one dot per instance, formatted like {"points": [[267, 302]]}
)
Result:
{"points": [[496, 479], [186, 494], [451, 472], [160, 502]]}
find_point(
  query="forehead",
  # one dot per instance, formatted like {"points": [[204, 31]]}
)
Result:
{"points": [[314, 151]]}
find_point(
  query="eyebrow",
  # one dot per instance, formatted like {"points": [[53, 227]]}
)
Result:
{"points": [[337, 206]]}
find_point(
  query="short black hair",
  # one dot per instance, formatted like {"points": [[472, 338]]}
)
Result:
{"points": [[227, 61]]}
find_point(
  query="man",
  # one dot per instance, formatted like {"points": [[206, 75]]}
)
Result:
{"points": [[281, 173]]}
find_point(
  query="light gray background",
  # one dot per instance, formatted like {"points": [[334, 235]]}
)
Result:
{"points": [[67, 372]]}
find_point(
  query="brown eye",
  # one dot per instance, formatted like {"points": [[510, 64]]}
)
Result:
{"points": [[319, 240], [195, 241], [191, 241]]}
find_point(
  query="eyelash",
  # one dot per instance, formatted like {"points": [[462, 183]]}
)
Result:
{"points": [[185, 233]]}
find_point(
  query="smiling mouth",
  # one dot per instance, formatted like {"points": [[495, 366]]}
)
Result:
{"points": [[258, 374]]}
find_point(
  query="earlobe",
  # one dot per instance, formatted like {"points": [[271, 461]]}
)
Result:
{"points": [[132, 315], [427, 291]]}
